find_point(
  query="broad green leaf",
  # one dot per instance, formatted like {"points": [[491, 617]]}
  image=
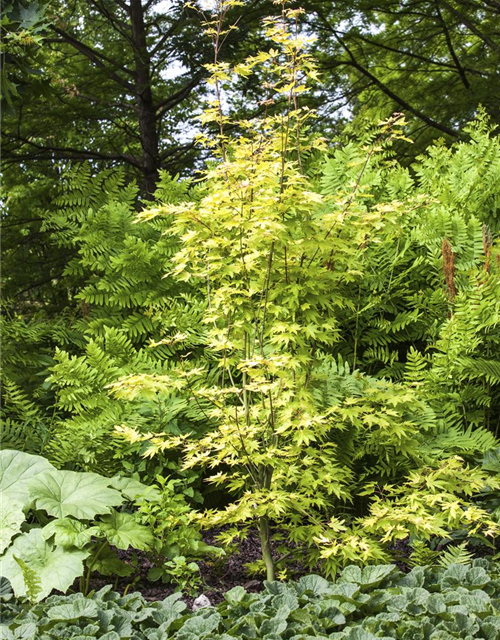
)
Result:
{"points": [[11, 518], [82, 608], [357, 633], [436, 604], [368, 576], [27, 631], [345, 590], [477, 602], [200, 625], [275, 588], [491, 460], [56, 567], [31, 15], [491, 627], [122, 623], [477, 577], [69, 533], [273, 626], [165, 617], [314, 583], [73, 493], [466, 624], [286, 600], [16, 470], [6, 633], [415, 578], [374, 575], [351, 573], [123, 531], [454, 576], [168, 610], [235, 595], [332, 616]]}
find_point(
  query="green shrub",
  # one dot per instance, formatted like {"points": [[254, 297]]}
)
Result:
{"points": [[57, 526], [177, 539], [363, 604], [343, 460]]}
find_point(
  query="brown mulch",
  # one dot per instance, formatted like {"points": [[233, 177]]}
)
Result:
{"points": [[218, 576]]}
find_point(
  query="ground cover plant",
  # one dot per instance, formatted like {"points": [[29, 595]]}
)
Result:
{"points": [[362, 604]]}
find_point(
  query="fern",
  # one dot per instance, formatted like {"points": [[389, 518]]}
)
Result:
{"points": [[458, 554], [31, 579], [422, 555], [133, 319]]}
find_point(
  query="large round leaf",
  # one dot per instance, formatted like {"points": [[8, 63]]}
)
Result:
{"points": [[73, 493], [11, 518], [56, 567], [123, 531], [16, 470]]}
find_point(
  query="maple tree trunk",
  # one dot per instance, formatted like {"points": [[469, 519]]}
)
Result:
{"points": [[265, 545]]}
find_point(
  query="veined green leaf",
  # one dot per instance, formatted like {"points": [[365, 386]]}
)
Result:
{"points": [[11, 518], [56, 567], [16, 470], [72, 493], [123, 531], [69, 533]]}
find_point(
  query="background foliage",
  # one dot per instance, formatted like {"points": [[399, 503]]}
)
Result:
{"points": [[294, 323]]}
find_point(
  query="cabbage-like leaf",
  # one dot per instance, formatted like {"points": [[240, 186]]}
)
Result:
{"points": [[123, 531], [273, 627], [235, 595], [11, 518], [73, 493], [314, 583], [477, 577], [200, 625], [374, 575], [26, 631], [368, 576], [56, 567], [16, 470], [69, 533], [82, 608], [454, 576], [352, 573]]}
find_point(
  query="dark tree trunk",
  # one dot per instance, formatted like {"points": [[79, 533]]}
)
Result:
{"points": [[147, 113]]}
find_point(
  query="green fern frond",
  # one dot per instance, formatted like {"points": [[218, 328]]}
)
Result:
{"points": [[422, 555], [458, 554], [31, 579]]}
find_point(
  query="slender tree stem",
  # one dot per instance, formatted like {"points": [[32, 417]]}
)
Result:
{"points": [[265, 544]]}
